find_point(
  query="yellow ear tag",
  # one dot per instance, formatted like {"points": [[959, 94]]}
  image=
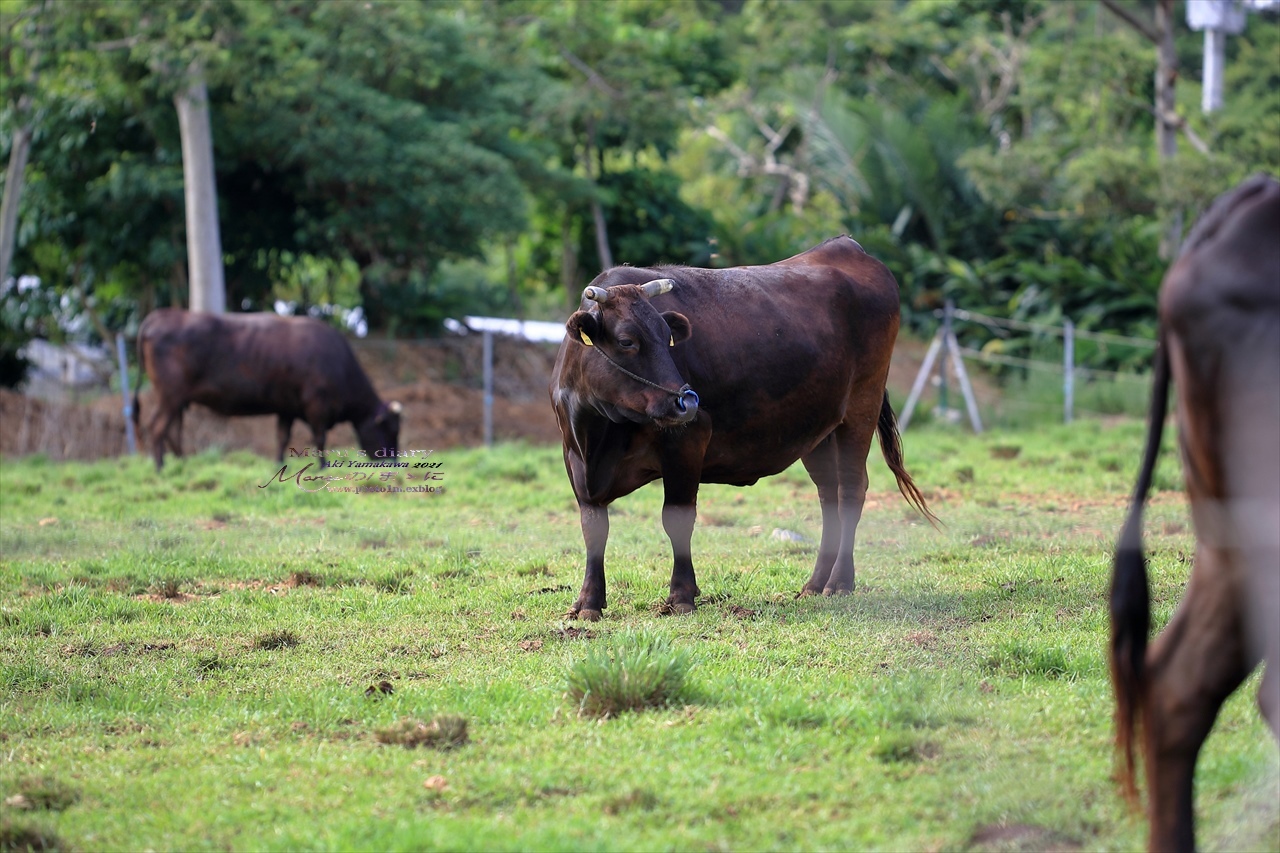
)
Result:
{"points": [[672, 342], [586, 340]]}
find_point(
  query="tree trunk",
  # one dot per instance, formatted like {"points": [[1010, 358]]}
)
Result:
{"points": [[12, 193], [597, 209], [568, 259], [1166, 130], [204, 243]]}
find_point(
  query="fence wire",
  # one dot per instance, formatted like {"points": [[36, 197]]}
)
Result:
{"points": [[1059, 331]]}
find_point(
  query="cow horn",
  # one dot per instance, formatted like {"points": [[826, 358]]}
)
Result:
{"points": [[656, 287], [596, 294], [395, 406]]}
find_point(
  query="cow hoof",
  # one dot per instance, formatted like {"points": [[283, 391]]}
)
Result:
{"points": [[831, 591], [586, 615], [681, 608], [807, 591]]}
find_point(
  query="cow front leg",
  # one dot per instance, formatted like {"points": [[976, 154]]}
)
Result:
{"points": [[1192, 667], [682, 455], [318, 435], [284, 426], [595, 534], [678, 520]]}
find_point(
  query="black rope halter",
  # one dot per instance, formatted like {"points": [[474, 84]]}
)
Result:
{"points": [[679, 395], [650, 289]]}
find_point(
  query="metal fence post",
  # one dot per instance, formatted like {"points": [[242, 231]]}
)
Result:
{"points": [[942, 365], [124, 389], [1068, 370], [488, 388]]}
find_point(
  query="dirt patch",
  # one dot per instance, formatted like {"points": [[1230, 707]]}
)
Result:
{"points": [[165, 598], [443, 732], [1019, 837], [571, 633]]}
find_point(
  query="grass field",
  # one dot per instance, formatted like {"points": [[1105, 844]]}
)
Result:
{"points": [[190, 661]]}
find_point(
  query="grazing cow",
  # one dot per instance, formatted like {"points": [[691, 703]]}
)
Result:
{"points": [[726, 376], [295, 368], [1220, 343]]}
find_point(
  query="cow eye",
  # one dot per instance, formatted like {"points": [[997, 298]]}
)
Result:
{"points": [[626, 343]]}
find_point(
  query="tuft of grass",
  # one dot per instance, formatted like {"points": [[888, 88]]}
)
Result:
{"points": [[304, 577], [635, 799], [167, 588], [398, 582], [638, 671], [1017, 658], [443, 732], [904, 748], [273, 640], [42, 793], [20, 835]]}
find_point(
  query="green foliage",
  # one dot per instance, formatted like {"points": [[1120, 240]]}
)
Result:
{"points": [[649, 223], [423, 160], [636, 672]]}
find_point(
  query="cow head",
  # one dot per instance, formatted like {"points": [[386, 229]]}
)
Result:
{"points": [[626, 358], [381, 430]]}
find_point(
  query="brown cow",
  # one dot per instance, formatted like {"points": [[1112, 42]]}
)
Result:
{"points": [[726, 376], [296, 368], [1220, 342]]}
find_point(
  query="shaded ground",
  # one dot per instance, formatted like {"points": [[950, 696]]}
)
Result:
{"points": [[438, 382]]}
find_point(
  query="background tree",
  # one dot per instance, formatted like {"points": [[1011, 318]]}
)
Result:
{"points": [[416, 161]]}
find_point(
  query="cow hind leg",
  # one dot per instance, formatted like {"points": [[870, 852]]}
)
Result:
{"points": [[175, 433], [1192, 668], [160, 430], [821, 465], [852, 445]]}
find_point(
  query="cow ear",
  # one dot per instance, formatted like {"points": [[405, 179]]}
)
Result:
{"points": [[679, 325], [583, 326]]}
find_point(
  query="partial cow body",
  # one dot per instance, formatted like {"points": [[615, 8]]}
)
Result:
{"points": [[1220, 343], [726, 376], [296, 368]]}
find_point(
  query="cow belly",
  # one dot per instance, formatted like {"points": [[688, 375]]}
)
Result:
{"points": [[740, 461], [247, 403]]}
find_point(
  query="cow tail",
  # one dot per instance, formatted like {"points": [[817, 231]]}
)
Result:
{"points": [[1130, 597], [891, 447]]}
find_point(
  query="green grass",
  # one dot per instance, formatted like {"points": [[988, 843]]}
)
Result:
{"points": [[636, 672], [201, 662]]}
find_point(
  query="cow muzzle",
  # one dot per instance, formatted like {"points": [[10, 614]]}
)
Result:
{"points": [[686, 407], [688, 400]]}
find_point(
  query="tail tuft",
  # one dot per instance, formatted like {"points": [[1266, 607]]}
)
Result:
{"points": [[891, 447]]}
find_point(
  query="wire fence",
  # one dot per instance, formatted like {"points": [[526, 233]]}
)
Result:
{"points": [[945, 350]]}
